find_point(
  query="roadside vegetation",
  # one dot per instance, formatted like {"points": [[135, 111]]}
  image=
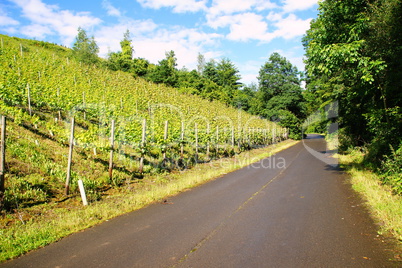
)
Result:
{"points": [[384, 205], [353, 52], [353, 78]]}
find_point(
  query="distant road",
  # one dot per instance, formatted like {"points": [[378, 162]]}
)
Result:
{"points": [[290, 210]]}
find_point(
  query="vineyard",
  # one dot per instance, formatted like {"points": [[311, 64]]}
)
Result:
{"points": [[124, 127]]}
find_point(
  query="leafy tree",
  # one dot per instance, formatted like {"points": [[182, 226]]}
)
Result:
{"points": [[384, 43], [127, 49], [243, 97], [337, 65], [122, 60], [280, 95], [140, 67], [165, 72], [85, 48], [190, 82], [200, 63], [353, 55], [210, 71], [228, 78], [228, 74]]}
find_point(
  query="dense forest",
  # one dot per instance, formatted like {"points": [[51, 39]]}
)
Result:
{"points": [[353, 56]]}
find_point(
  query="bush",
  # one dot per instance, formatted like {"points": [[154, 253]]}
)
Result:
{"points": [[392, 170]]}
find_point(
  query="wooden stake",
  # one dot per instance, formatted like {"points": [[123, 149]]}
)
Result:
{"points": [[29, 100], [143, 139], [111, 151], [196, 142], [2, 156], [233, 138], [217, 135], [217, 142], [182, 140], [84, 104], [165, 137], [70, 157], [208, 130]]}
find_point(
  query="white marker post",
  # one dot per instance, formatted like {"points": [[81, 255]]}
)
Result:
{"points": [[82, 191]]}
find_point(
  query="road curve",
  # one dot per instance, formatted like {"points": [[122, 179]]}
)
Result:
{"points": [[290, 210]]}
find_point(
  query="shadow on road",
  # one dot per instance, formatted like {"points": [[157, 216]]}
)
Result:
{"points": [[314, 136]]}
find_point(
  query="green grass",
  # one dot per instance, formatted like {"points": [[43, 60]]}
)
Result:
{"points": [[53, 221], [385, 207]]}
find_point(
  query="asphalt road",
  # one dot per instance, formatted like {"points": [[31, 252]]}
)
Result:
{"points": [[290, 210]]}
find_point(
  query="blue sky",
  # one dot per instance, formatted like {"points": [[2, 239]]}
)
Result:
{"points": [[245, 31]]}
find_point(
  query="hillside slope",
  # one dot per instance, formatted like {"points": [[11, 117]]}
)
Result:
{"points": [[42, 88]]}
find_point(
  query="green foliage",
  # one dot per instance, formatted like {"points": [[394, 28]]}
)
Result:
{"points": [[353, 56], [62, 87], [200, 64], [212, 81], [392, 170], [383, 124], [166, 71], [127, 47], [25, 191], [280, 95], [123, 60], [291, 122], [140, 67], [85, 48]]}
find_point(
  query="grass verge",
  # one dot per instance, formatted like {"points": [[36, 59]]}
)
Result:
{"points": [[54, 222], [385, 207]]}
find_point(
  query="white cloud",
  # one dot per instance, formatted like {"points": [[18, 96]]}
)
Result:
{"points": [[110, 9], [261, 5], [179, 6], [291, 27], [294, 5], [186, 43], [5, 20], [35, 31], [61, 22], [251, 26], [109, 37], [249, 71], [274, 16], [151, 41], [229, 6], [293, 57], [222, 13], [219, 7], [247, 26], [9, 30]]}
